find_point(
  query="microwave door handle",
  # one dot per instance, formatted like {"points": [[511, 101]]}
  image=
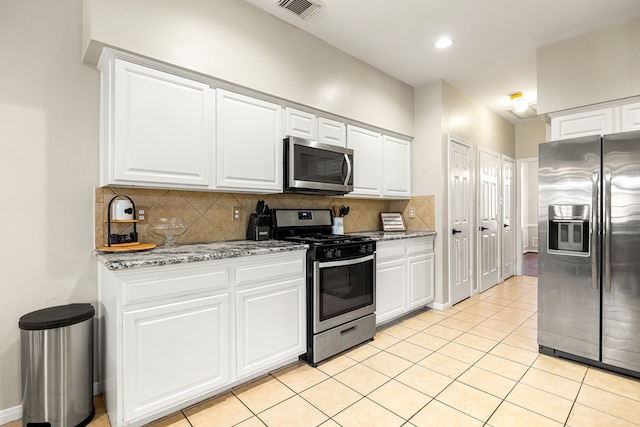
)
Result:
{"points": [[349, 170]]}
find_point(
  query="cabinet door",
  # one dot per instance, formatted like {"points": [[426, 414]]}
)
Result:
{"points": [[301, 124], [396, 168], [630, 117], [160, 128], [270, 324], [390, 290], [367, 161], [173, 353], [248, 143], [597, 122], [420, 280], [332, 132]]}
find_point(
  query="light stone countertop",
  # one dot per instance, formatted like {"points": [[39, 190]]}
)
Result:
{"points": [[193, 253], [395, 235]]}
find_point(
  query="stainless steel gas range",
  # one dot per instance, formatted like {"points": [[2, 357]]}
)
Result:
{"points": [[341, 281]]}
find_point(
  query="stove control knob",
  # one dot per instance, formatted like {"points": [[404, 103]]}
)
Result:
{"points": [[338, 253], [328, 253]]}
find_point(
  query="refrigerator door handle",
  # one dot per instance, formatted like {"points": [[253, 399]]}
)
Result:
{"points": [[595, 220], [607, 232]]}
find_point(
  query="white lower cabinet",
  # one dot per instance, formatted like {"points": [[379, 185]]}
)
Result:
{"points": [[404, 276], [176, 334]]}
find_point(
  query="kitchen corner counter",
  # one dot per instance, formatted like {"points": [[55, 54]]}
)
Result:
{"points": [[193, 253], [395, 235]]}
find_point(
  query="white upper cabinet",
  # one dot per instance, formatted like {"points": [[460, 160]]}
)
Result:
{"points": [[248, 143], [332, 132], [367, 161], [396, 168], [630, 117], [301, 124], [156, 127]]}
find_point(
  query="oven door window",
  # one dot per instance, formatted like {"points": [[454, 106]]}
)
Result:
{"points": [[314, 165], [344, 288]]}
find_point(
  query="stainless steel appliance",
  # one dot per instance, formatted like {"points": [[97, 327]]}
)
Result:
{"points": [[341, 281], [589, 241], [311, 167]]}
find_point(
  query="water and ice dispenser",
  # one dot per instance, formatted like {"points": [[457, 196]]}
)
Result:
{"points": [[569, 229]]}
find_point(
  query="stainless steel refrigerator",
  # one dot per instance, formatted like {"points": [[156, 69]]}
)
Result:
{"points": [[589, 250]]}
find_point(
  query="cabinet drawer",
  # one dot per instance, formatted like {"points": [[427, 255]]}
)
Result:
{"points": [[388, 250], [419, 245], [270, 268], [173, 282]]}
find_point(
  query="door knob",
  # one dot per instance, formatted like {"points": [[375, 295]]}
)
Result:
{"points": [[456, 231], [506, 225], [484, 228]]}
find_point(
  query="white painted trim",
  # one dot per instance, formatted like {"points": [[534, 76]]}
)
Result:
{"points": [[438, 306], [10, 414]]}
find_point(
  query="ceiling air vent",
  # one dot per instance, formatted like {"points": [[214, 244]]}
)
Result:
{"points": [[302, 8]]}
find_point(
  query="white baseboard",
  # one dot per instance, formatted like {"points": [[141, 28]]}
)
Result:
{"points": [[10, 414], [438, 306], [13, 414]]}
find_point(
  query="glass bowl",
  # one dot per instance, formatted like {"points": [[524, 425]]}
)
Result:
{"points": [[169, 228]]}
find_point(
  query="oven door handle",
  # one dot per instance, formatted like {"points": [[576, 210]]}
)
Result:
{"points": [[342, 263]]}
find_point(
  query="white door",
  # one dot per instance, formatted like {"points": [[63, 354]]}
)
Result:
{"points": [[460, 196], [488, 219], [508, 217]]}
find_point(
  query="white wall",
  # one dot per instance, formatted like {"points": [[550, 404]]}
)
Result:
{"points": [[48, 168], [600, 66], [236, 42]]}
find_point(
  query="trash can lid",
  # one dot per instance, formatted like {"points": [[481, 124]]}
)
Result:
{"points": [[56, 317]]}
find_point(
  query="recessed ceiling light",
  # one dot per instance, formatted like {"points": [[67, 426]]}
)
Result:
{"points": [[443, 43]]}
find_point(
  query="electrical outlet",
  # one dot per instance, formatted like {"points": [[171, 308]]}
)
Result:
{"points": [[412, 213], [237, 210], [141, 215]]}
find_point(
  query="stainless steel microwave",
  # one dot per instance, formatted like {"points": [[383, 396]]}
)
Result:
{"points": [[311, 167]]}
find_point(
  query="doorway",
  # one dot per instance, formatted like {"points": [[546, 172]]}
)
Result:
{"points": [[527, 238]]}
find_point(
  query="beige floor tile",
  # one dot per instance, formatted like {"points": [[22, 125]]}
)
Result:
{"points": [[501, 302], [615, 383], [432, 316], [443, 332], [487, 381], [583, 416], [331, 396], [362, 352], [516, 312], [462, 305], [336, 364], [387, 363], [540, 402], [383, 340], [454, 323], [475, 341], [424, 380], [526, 306], [530, 323], [519, 341], [294, 412], [438, 414], [251, 422], [444, 365], [515, 321], [526, 332], [365, 412], [471, 401], [417, 324], [489, 333], [479, 311], [98, 404], [175, 420], [461, 352], [499, 326], [226, 410], [564, 368], [399, 399], [99, 420], [408, 351], [263, 394], [501, 366], [300, 376], [329, 423], [362, 378], [551, 383], [399, 331], [469, 317], [610, 403], [510, 415], [514, 354], [428, 341]]}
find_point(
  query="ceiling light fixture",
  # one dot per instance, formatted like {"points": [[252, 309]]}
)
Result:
{"points": [[519, 103], [443, 43]]}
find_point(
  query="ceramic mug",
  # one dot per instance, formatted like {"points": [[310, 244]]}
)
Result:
{"points": [[122, 210]]}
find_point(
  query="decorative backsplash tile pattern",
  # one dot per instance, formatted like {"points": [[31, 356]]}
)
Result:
{"points": [[209, 215]]}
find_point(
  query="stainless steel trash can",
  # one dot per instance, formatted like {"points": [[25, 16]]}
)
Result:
{"points": [[57, 366]]}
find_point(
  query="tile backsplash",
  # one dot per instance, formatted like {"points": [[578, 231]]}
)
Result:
{"points": [[209, 215]]}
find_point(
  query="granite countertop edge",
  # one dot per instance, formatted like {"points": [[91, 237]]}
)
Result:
{"points": [[197, 252]]}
